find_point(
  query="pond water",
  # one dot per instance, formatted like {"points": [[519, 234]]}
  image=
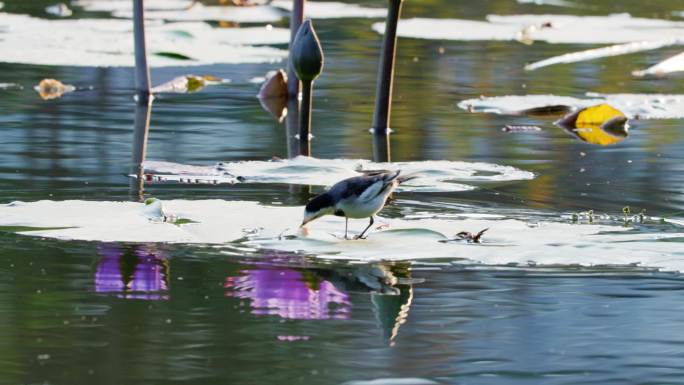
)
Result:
{"points": [[77, 312]]}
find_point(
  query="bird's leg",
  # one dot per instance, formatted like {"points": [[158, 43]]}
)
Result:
{"points": [[361, 236], [346, 225]]}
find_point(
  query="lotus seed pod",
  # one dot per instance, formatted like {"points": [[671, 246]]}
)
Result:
{"points": [[307, 54]]}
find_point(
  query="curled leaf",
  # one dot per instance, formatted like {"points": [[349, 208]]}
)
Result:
{"points": [[601, 124], [273, 94], [275, 85]]}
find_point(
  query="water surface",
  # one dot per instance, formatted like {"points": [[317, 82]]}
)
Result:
{"points": [[89, 312]]}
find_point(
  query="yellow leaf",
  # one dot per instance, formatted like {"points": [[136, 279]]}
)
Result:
{"points": [[594, 134], [598, 115]]}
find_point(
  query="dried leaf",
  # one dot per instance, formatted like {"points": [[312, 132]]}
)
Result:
{"points": [[52, 89], [275, 85], [273, 94]]}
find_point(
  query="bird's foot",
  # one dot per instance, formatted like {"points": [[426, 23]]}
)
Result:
{"points": [[360, 237]]}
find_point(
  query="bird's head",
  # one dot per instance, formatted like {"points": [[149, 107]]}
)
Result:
{"points": [[319, 206]]}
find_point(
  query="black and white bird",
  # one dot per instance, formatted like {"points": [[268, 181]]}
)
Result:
{"points": [[357, 197]]}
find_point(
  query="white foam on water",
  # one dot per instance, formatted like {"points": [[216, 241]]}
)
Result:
{"points": [[431, 176], [642, 106], [564, 29], [508, 241], [109, 42]]}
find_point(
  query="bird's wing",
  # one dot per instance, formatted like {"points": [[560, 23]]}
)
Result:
{"points": [[364, 186], [372, 191]]}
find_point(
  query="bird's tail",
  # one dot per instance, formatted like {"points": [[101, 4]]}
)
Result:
{"points": [[405, 178]]}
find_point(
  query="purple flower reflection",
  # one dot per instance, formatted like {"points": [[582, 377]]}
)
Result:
{"points": [[289, 293], [135, 272]]}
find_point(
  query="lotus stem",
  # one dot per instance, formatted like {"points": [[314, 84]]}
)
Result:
{"points": [[296, 20], [305, 119], [142, 70], [383, 93]]}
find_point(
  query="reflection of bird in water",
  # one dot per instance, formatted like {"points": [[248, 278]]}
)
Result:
{"points": [[390, 287], [301, 289], [357, 197]]}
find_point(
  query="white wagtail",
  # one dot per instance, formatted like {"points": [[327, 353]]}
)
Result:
{"points": [[357, 197]]}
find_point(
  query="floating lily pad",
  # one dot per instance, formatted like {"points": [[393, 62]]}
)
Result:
{"points": [[613, 50], [672, 64], [333, 9], [430, 175], [556, 29], [275, 228], [108, 43], [23, 229], [188, 10], [634, 106]]}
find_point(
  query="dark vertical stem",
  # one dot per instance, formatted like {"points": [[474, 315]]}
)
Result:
{"points": [[296, 19], [305, 119], [381, 147], [143, 110], [142, 70], [292, 127], [383, 91]]}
